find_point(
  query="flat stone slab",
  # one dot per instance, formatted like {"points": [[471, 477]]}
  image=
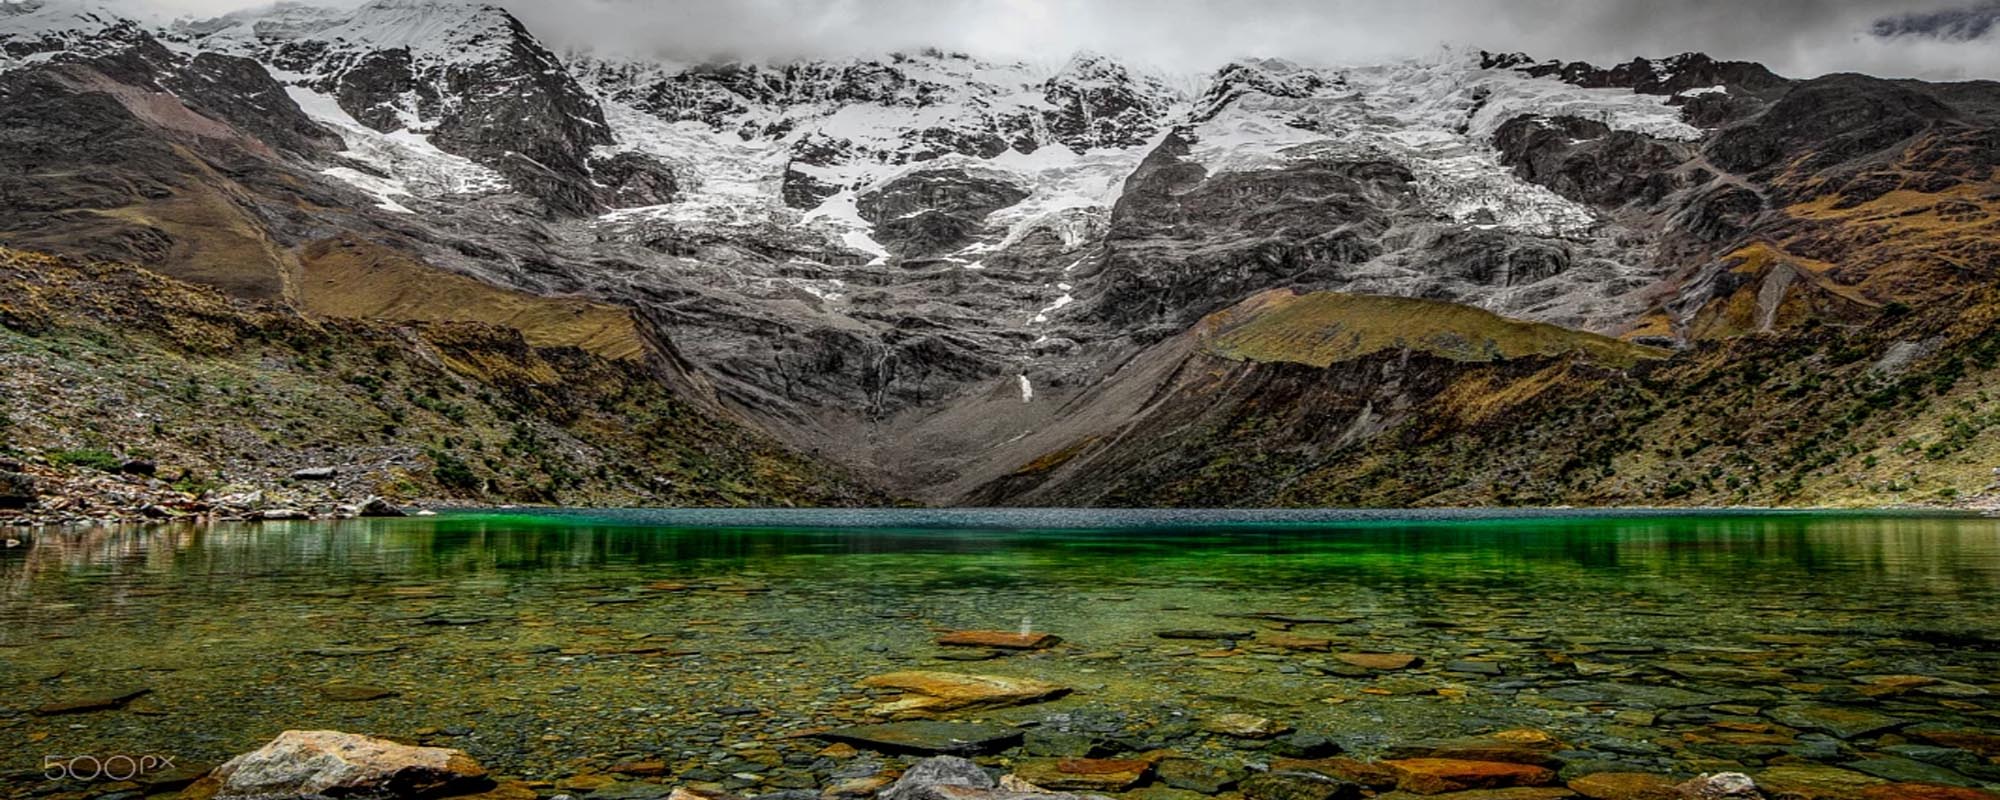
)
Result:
{"points": [[109, 701], [1815, 781], [1846, 723], [1083, 774], [1245, 726], [1204, 634], [355, 693], [1285, 641], [927, 693], [927, 737], [1626, 786], [999, 640], [1380, 661]]}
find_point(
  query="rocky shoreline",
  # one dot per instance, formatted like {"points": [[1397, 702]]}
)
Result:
{"points": [[35, 493]]}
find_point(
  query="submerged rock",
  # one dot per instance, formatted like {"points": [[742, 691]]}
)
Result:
{"points": [[927, 737], [1245, 726], [1439, 775], [928, 693], [108, 701], [1095, 774], [335, 764], [1204, 633], [999, 640], [1298, 786], [1197, 775], [1846, 723], [1381, 661]]}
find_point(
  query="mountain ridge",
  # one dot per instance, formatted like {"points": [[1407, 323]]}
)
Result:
{"points": [[863, 255]]}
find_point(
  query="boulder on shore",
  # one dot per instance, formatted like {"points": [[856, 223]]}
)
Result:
{"points": [[335, 764], [378, 507]]}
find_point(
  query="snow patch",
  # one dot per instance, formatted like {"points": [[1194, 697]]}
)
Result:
{"points": [[403, 163]]}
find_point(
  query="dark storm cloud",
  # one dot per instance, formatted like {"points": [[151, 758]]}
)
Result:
{"points": [[1793, 37]]}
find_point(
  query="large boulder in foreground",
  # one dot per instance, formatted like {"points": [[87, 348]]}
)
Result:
{"points": [[335, 764]]}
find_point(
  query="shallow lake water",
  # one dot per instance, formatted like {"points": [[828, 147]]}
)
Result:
{"points": [[552, 645]]}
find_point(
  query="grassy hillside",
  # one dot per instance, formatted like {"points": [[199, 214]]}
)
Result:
{"points": [[105, 362], [1321, 328], [1338, 410]]}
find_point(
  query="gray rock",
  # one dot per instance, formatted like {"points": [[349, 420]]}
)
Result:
{"points": [[335, 764], [923, 778], [378, 507], [316, 474]]}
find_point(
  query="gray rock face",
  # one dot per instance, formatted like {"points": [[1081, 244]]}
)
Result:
{"points": [[1586, 161], [1183, 243], [1099, 103], [487, 90], [632, 179], [934, 211]]}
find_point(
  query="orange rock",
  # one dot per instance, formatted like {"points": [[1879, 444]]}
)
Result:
{"points": [[644, 769], [1925, 791], [1284, 641], [1625, 786], [1440, 775], [1381, 661], [999, 640]]}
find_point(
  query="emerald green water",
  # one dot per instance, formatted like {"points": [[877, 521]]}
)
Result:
{"points": [[554, 644]]}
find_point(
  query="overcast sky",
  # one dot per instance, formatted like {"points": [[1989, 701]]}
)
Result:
{"points": [[1794, 37]]}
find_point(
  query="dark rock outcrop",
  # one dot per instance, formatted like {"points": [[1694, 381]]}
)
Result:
{"points": [[1587, 161], [633, 179], [934, 211]]}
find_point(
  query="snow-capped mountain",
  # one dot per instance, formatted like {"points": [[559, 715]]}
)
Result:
{"points": [[873, 248]]}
